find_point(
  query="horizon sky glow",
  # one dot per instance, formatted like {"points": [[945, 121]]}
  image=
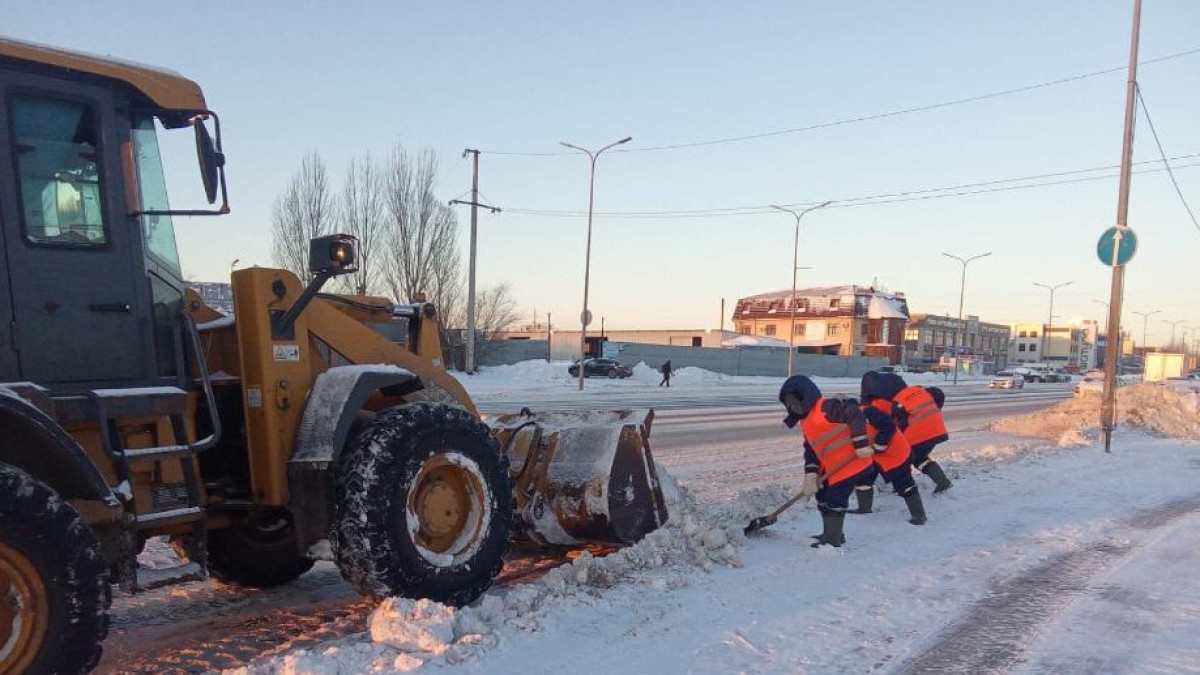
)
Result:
{"points": [[353, 77]]}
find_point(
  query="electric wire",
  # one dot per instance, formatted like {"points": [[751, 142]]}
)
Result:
{"points": [[858, 119], [965, 189], [1163, 154]]}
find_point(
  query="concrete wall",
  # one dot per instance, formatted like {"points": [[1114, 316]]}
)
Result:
{"points": [[741, 361]]}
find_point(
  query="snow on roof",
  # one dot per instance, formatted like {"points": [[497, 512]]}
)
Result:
{"points": [[883, 307]]}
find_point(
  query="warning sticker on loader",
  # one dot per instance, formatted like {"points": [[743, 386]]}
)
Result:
{"points": [[254, 396], [286, 352]]}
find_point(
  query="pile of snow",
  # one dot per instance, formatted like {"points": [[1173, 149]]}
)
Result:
{"points": [[533, 371], [1162, 411], [691, 375], [407, 634]]}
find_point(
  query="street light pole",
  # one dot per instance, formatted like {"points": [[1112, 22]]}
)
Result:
{"points": [[1146, 327], [795, 267], [962, 289], [1050, 325], [587, 264], [1171, 344]]}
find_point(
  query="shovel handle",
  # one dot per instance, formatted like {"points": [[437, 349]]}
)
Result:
{"points": [[769, 519]]}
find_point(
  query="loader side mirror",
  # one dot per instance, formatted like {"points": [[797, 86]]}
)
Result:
{"points": [[210, 160], [333, 254]]}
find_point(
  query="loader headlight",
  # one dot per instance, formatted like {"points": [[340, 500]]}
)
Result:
{"points": [[333, 254]]}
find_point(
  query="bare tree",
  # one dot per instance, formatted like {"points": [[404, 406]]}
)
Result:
{"points": [[495, 309], [422, 235], [304, 210], [362, 215]]}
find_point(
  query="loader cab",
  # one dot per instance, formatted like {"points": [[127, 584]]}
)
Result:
{"points": [[91, 290]]}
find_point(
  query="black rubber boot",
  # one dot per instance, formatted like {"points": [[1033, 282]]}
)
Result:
{"points": [[866, 498], [940, 481], [916, 508], [832, 522]]}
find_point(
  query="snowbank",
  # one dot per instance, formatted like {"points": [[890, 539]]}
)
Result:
{"points": [[1159, 410]]}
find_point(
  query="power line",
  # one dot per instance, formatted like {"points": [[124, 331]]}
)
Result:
{"points": [[861, 118], [982, 187], [1163, 154]]}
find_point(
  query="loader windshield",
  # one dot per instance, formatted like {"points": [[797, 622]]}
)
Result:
{"points": [[158, 231]]}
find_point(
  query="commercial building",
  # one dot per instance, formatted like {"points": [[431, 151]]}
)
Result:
{"points": [[1066, 345], [843, 320], [933, 339]]}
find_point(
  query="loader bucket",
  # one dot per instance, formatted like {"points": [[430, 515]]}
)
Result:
{"points": [[581, 478]]}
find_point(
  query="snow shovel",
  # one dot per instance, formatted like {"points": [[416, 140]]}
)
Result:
{"points": [[769, 519]]}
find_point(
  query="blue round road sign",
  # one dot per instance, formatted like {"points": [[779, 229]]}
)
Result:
{"points": [[1119, 240]]}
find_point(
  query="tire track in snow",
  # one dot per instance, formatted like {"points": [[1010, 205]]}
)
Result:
{"points": [[996, 633]]}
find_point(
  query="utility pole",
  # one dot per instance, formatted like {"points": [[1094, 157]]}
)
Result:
{"points": [[549, 340], [795, 267], [1049, 327], [474, 204], [962, 289], [1107, 412], [722, 322]]}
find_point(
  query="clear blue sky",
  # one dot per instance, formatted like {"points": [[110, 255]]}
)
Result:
{"points": [[346, 77]]}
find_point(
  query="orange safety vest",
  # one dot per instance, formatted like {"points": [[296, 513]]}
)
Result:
{"points": [[925, 421], [898, 449], [831, 442]]}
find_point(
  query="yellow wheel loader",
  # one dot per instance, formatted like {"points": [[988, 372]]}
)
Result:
{"points": [[129, 409]]}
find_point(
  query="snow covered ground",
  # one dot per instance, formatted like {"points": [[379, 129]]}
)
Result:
{"points": [[1048, 556], [541, 375]]}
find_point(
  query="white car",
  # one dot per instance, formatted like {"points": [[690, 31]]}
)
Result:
{"points": [[1007, 379]]}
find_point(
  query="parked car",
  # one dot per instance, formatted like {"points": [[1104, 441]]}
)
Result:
{"points": [[1093, 383], [1189, 382], [1007, 379], [609, 368], [896, 369]]}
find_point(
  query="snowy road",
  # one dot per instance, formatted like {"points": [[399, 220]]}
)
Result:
{"points": [[718, 451]]}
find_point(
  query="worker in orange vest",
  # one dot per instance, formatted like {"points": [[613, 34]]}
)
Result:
{"points": [[892, 463], [837, 451], [918, 412]]}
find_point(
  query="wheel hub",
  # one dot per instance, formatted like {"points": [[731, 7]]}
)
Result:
{"points": [[24, 611], [447, 501]]}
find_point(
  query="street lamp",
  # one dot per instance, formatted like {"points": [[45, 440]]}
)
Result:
{"points": [[1146, 327], [1050, 325], [962, 289], [795, 266], [1171, 344], [585, 318]]}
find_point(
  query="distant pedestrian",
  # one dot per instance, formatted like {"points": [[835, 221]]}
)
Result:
{"points": [[666, 373]]}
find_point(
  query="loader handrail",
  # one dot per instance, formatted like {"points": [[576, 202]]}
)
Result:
{"points": [[206, 384]]}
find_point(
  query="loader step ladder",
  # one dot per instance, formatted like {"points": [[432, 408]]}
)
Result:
{"points": [[111, 407]]}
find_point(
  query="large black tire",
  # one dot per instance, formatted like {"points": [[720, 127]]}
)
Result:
{"points": [[257, 551], [44, 546], [383, 487]]}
